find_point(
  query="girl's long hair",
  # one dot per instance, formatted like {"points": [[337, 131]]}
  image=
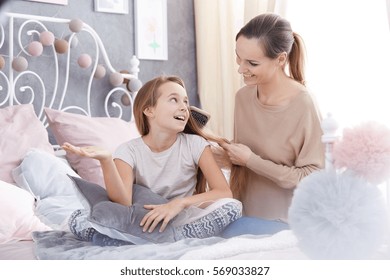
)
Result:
{"points": [[147, 96]]}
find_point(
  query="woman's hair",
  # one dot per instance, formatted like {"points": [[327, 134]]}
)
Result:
{"points": [[276, 36], [147, 96]]}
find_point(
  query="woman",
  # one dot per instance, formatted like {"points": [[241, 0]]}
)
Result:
{"points": [[277, 132], [172, 159]]}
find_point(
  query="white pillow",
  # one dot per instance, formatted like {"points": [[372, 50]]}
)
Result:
{"points": [[46, 177], [17, 219], [56, 210]]}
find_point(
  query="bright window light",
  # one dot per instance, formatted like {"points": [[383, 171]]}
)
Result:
{"points": [[348, 56]]}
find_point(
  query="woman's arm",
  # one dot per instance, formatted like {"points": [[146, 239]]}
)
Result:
{"points": [[283, 175], [118, 175], [310, 158]]}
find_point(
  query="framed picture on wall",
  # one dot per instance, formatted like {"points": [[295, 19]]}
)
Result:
{"points": [[112, 6], [59, 2], [151, 29]]}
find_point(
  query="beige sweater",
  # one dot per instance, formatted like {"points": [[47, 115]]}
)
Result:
{"points": [[286, 146]]}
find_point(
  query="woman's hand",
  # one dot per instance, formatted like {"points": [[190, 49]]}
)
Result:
{"points": [[161, 213], [238, 154], [89, 151]]}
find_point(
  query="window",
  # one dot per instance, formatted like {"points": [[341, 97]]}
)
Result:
{"points": [[348, 56]]}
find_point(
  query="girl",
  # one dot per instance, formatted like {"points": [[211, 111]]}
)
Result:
{"points": [[173, 159]]}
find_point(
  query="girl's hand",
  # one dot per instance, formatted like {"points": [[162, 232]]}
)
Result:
{"points": [[89, 151], [161, 213], [239, 154]]}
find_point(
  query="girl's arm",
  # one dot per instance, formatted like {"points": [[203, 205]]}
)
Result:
{"points": [[118, 175], [219, 187], [221, 157], [118, 178]]}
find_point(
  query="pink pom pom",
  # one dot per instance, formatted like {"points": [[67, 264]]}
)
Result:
{"points": [[84, 60], [365, 150], [2, 62], [19, 64], [35, 48], [46, 38], [116, 79], [100, 72]]}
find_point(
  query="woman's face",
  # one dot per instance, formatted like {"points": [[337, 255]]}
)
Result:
{"points": [[255, 67]]}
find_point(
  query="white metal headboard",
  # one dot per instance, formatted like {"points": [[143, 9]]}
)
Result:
{"points": [[32, 25]]}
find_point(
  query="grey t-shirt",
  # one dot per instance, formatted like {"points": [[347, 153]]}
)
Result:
{"points": [[171, 173]]}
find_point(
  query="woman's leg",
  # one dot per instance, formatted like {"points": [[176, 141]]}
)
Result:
{"points": [[252, 225]]}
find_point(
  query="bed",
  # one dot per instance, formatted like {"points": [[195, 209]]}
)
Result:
{"points": [[37, 114]]}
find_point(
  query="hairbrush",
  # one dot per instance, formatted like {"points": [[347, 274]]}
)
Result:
{"points": [[201, 117]]}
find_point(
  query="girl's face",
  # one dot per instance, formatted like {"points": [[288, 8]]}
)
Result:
{"points": [[255, 67], [172, 109]]}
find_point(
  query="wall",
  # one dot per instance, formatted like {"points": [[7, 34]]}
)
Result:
{"points": [[117, 34]]}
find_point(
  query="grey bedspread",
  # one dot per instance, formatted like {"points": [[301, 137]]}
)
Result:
{"points": [[61, 245]]}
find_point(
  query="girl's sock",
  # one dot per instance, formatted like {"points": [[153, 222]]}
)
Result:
{"points": [[211, 224], [79, 225]]}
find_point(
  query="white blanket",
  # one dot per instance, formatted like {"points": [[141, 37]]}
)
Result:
{"points": [[282, 245]]}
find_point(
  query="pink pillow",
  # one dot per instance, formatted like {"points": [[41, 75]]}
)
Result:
{"points": [[17, 218], [20, 130], [81, 130]]}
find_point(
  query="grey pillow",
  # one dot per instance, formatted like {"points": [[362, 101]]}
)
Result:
{"points": [[118, 221]]}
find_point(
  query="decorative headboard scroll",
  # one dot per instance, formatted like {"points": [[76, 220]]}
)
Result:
{"points": [[74, 66]]}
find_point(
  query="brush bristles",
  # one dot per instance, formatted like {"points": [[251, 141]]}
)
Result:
{"points": [[200, 116]]}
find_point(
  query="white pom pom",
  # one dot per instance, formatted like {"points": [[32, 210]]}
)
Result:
{"points": [[133, 85], [75, 25], [338, 216]]}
